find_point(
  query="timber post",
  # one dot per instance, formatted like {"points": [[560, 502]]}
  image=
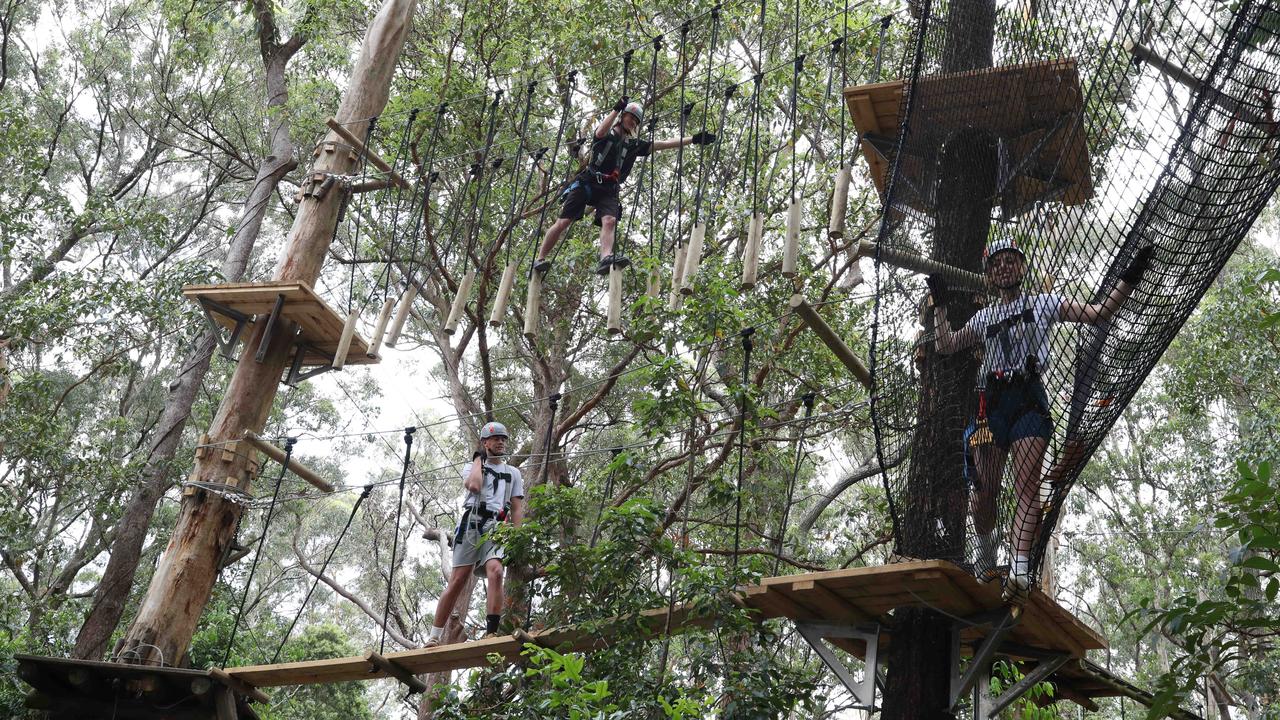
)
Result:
{"points": [[183, 580]]}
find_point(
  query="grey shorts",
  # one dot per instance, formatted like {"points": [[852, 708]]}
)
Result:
{"points": [[472, 547]]}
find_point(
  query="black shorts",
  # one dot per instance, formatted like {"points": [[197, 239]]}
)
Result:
{"points": [[581, 194]]}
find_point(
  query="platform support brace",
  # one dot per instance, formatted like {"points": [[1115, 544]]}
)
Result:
{"points": [[864, 690]]}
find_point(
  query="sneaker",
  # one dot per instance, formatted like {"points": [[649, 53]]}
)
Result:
{"points": [[541, 266], [984, 558], [622, 262], [433, 642], [602, 267], [1017, 587]]}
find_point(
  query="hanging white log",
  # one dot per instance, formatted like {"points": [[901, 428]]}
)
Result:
{"points": [[677, 277], [532, 306], [791, 244], [693, 259], [614, 323], [402, 314], [504, 294], [751, 253], [653, 285], [375, 343], [839, 203], [459, 302], [344, 340]]}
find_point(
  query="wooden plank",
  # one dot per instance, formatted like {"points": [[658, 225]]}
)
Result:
{"points": [[240, 686], [395, 670], [833, 607]]}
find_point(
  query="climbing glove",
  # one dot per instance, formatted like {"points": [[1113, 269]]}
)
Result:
{"points": [[621, 104], [1138, 267], [704, 138], [938, 290]]}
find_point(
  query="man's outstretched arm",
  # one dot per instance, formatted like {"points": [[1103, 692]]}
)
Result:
{"points": [[702, 138]]}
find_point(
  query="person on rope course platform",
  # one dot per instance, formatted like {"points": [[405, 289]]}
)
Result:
{"points": [[495, 493], [614, 149], [1013, 409]]}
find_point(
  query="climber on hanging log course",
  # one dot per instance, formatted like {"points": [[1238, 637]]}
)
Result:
{"points": [[614, 150], [1013, 409], [495, 493]]}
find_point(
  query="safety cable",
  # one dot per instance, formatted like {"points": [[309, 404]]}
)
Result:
{"points": [[515, 170], [742, 441], [553, 402], [257, 553], [421, 210], [706, 94], [397, 170], [480, 189], [685, 109], [604, 497], [355, 233], [364, 495], [807, 399], [395, 535], [536, 238]]}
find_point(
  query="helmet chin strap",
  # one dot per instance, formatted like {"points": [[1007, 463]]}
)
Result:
{"points": [[1009, 286]]}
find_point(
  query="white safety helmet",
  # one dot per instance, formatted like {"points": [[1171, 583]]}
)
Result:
{"points": [[635, 110], [1000, 245], [493, 429]]}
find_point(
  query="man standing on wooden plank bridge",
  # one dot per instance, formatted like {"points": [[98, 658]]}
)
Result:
{"points": [[495, 493], [1013, 408], [614, 149]]}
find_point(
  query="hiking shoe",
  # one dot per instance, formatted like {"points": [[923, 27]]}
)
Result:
{"points": [[1017, 587], [622, 262], [541, 266], [433, 642], [602, 267]]}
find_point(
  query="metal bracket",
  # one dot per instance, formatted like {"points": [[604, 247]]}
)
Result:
{"points": [[272, 320], [226, 347], [1001, 622], [986, 707], [296, 373], [864, 690]]}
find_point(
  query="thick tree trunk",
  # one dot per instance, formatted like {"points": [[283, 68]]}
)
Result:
{"points": [[126, 548], [184, 579], [918, 660]]}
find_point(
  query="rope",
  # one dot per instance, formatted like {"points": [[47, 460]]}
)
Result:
{"points": [[553, 402], [484, 159], [604, 497], [257, 553], [395, 537], [395, 206], [791, 484], [685, 109], [742, 439], [515, 167], [702, 149], [551, 172], [325, 566]]}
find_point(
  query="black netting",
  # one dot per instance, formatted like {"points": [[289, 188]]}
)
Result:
{"points": [[1080, 132]]}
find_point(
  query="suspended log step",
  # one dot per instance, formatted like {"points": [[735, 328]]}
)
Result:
{"points": [[824, 332], [504, 294], [238, 306], [960, 279], [751, 253], [533, 306], [613, 322], [1035, 109], [275, 453], [75, 689], [380, 327], [402, 314]]}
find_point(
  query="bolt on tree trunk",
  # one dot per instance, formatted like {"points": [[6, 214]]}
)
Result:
{"points": [[918, 660], [184, 578]]}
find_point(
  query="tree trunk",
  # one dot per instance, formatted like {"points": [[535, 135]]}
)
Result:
{"points": [[112, 593], [185, 576], [918, 660]]}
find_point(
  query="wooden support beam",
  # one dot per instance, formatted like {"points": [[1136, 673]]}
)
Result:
{"points": [[358, 144], [370, 186], [240, 686], [832, 340], [295, 467], [396, 671], [1181, 76], [961, 279]]}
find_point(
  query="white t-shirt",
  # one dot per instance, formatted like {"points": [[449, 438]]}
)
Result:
{"points": [[499, 483], [1016, 330]]}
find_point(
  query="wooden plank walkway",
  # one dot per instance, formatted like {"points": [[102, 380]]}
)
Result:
{"points": [[856, 595]]}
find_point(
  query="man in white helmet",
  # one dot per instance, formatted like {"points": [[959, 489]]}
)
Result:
{"points": [[614, 149], [495, 493], [1013, 408]]}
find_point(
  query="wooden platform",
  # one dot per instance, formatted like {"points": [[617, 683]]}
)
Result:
{"points": [[77, 689], [320, 326], [1036, 110], [854, 596]]}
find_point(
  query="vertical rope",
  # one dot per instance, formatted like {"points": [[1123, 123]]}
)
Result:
{"points": [[484, 158], [706, 93], [742, 441], [608, 492], [653, 126], [395, 537], [791, 485], [554, 402], [555, 156], [516, 199], [401, 152], [257, 553], [364, 495], [684, 116]]}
